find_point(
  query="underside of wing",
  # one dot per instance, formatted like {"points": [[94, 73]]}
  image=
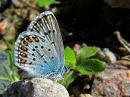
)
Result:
{"points": [[46, 25], [36, 55], [39, 51]]}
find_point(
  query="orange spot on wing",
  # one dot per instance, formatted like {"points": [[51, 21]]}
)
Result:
{"points": [[25, 43], [29, 39], [24, 48], [23, 54], [36, 39], [23, 61]]}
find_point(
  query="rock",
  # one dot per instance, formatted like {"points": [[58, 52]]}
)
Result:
{"points": [[36, 87], [106, 55], [113, 82], [76, 47], [85, 95], [118, 3], [109, 56]]}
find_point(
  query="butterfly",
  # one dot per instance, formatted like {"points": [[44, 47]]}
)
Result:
{"points": [[39, 51]]}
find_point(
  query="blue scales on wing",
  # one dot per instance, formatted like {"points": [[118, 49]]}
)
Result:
{"points": [[39, 51]]}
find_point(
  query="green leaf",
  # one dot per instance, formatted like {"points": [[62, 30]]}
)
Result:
{"points": [[15, 78], [43, 3], [15, 75], [83, 71], [10, 58], [8, 73], [85, 53], [68, 78], [70, 59], [91, 66], [3, 78]]}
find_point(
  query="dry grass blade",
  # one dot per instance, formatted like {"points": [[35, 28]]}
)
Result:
{"points": [[122, 41]]}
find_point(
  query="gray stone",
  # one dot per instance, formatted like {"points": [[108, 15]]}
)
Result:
{"points": [[36, 87], [106, 55]]}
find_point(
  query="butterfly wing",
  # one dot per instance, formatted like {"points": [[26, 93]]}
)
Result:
{"points": [[46, 25], [39, 50]]}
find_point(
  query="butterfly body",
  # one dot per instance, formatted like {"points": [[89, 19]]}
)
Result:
{"points": [[39, 50]]}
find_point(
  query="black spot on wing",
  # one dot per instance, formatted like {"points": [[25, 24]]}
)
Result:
{"points": [[34, 59], [45, 61], [49, 49], [33, 49], [36, 46], [42, 46]]}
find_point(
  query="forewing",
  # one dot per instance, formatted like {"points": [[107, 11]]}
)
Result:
{"points": [[46, 25]]}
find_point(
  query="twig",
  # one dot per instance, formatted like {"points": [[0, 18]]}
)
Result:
{"points": [[122, 41], [29, 5]]}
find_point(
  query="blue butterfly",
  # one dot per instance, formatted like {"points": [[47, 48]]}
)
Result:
{"points": [[39, 50]]}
